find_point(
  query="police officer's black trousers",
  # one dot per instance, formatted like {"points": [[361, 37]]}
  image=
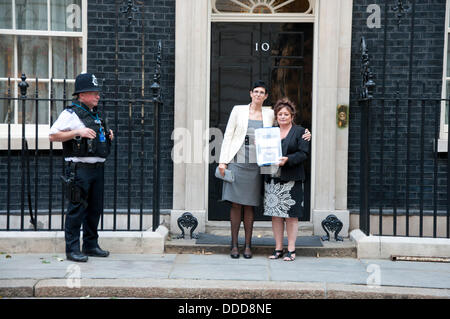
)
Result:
{"points": [[91, 182]]}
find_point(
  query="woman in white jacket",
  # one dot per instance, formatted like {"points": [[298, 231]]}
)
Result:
{"points": [[238, 154]]}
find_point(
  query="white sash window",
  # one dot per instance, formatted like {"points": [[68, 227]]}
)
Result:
{"points": [[44, 39]]}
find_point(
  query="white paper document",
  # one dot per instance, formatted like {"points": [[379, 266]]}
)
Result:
{"points": [[268, 146]]}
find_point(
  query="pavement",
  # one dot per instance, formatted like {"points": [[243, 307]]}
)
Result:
{"points": [[215, 275]]}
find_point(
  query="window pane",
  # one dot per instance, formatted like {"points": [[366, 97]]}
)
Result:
{"points": [[31, 14], [6, 56], [58, 91], [30, 105], [228, 6], [5, 103], [296, 6], [251, 6], [446, 106], [33, 56], [66, 15], [448, 56], [5, 14], [66, 57]]}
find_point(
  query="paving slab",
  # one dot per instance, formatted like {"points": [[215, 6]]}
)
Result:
{"points": [[208, 275]]}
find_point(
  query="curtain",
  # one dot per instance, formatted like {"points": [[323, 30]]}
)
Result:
{"points": [[6, 70], [30, 105], [6, 56], [5, 14], [66, 57], [31, 14], [32, 56], [58, 91]]}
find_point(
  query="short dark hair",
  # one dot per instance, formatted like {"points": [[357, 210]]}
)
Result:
{"points": [[285, 103], [260, 83]]}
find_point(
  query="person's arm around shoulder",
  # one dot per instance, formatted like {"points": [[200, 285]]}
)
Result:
{"points": [[302, 148]]}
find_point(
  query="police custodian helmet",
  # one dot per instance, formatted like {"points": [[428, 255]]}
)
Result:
{"points": [[86, 82]]}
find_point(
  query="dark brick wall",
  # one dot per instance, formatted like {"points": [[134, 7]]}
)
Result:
{"points": [[425, 68], [157, 17], [156, 20]]}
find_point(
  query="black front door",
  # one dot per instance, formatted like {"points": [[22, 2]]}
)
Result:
{"points": [[280, 54]]}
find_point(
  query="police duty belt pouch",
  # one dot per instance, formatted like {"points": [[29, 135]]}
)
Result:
{"points": [[229, 176], [72, 191]]}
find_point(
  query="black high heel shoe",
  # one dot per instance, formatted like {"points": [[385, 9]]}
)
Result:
{"points": [[234, 255], [247, 256], [277, 254], [289, 256]]}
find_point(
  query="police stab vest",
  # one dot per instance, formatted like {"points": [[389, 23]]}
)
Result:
{"points": [[100, 146]]}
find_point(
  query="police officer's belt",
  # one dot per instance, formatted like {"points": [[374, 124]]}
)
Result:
{"points": [[86, 165]]}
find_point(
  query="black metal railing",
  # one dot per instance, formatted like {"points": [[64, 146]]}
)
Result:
{"points": [[34, 173], [404, 179]]}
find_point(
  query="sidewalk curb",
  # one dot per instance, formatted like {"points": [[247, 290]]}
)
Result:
{"points": [[209, 289]]}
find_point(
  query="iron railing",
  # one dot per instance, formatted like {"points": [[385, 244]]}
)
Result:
{"points": [[402, 174], [122, 182], [127, 173]]}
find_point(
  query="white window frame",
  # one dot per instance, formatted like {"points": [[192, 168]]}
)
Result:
{"points": [[307, 16], [43, 129], [443, 134]]}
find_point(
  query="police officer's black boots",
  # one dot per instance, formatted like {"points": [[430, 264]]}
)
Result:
{"points": [[77, 256], [96, 252]]}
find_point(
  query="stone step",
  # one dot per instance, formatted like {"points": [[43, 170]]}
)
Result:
{"points": [[347, 248], [263, 229]]}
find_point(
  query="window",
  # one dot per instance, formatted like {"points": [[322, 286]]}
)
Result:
{"points": [[442, 146], [262, 6], [45, 40]]}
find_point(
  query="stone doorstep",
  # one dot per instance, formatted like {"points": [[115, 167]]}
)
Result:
{"points": [[329, 249], [182, 288], [146, 242], [383, 247]]}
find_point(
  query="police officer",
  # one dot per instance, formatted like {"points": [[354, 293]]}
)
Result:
{"points": [[86, 142]]}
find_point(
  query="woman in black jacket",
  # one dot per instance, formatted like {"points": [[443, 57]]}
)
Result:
{"points": [[283, 192]]}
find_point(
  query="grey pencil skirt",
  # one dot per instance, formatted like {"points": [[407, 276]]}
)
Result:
{"points": [[247, 186]]}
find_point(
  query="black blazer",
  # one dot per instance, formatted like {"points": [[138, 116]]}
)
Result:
{"points": [[297, 151]]}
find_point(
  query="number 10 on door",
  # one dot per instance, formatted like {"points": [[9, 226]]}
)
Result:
{"points": [[264, 46]]}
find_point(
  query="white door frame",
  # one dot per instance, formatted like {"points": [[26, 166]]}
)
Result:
{"points": [[331, 86]]}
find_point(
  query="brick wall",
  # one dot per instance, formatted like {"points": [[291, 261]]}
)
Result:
{"points": [[156, 20]]}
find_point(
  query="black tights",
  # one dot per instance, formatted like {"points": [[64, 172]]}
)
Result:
{"points": [[235, 218]]}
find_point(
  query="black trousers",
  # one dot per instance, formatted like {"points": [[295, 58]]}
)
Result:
{"points": [[91, 181]]}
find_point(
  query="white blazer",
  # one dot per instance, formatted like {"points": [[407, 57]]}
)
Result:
{"points": [[237, 129]]}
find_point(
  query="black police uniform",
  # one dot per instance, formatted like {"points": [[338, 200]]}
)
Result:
{"points": [[85, 175]]}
